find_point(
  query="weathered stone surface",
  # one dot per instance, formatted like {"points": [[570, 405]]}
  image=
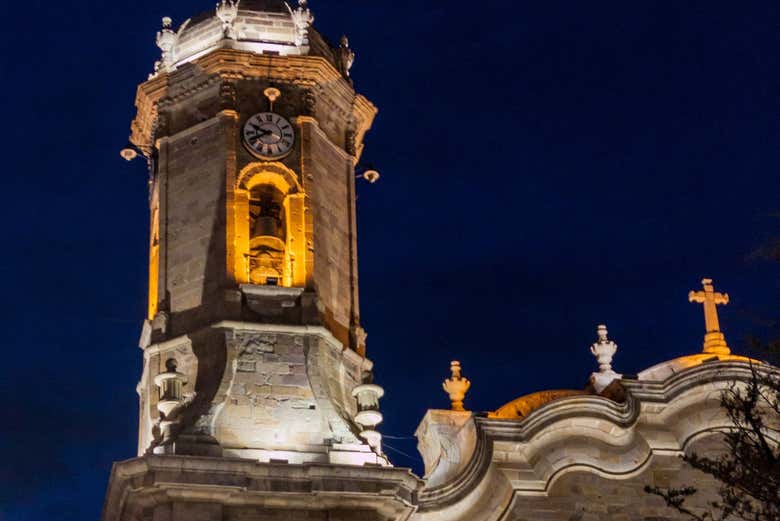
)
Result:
{"points": [[588, 497], [254, 295], [281, 390], [269, 368], [176, 488], [583, 456]]}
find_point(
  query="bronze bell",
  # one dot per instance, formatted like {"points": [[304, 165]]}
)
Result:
{"points": [[268, 222]]}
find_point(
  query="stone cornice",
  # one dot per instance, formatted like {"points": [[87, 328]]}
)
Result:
{"points": [[669, 389], [321, 331], [229, 64], [150, 480], [364, 363], [592, 407]]}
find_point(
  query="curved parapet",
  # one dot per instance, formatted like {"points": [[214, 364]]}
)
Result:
{"points": [[565, 444]]}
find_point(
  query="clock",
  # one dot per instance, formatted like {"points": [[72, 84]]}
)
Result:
{"points": [[268, 135]]}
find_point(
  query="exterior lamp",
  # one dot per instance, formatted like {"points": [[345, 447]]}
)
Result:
{"points": [[369, 174], [129, 152]]}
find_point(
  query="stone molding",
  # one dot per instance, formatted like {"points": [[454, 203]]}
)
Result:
{"points": [[211, 69], [364, 363], [715, 370], [589, 432], [142, 484], [287, 182]]}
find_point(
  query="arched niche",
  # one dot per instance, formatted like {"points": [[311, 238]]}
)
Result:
{"points": [[274, 174], [269, 233]]}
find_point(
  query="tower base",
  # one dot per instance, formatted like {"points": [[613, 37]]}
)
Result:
{"points": [[186, 488]]}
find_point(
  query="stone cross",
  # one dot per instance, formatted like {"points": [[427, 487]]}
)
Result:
{"points": [[714, 341]]}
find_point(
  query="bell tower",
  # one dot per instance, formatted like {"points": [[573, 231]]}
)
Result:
{"points": [[256, 398]]}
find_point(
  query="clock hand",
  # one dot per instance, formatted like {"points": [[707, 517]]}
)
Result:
{"points": [[259, 129], [260, 134]]}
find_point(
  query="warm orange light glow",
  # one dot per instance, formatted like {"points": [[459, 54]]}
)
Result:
{"points": [[525, 405], [714, 340], [154, 259], [258, 258]]}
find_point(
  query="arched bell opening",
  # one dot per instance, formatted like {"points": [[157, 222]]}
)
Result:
{"points": [[267, 255], [268, 238]]}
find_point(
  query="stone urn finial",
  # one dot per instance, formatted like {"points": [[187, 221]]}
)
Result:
{"points": [[456, 386], [302, 19], [166, 40], [227, 12], [604, 349]]}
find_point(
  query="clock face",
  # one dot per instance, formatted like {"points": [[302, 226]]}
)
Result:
{"points": [[268, 135]]}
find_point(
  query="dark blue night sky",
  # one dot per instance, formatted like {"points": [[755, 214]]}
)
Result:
{"points": [[546, 166]]}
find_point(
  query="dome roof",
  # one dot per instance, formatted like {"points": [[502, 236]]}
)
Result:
{"points": [[525, 405], [260, 26]]}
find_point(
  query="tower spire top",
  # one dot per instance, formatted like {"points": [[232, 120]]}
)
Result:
{"points": [[714, 340]]}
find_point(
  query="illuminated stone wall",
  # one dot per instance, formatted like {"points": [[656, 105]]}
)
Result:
{"points": [[330, 176], [192, 170], [268, 376], [277, 405], [585, 496], [582, 456], [201, 237]]}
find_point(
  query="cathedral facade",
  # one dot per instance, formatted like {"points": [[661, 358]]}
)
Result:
{"points": [[257, 401]]}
